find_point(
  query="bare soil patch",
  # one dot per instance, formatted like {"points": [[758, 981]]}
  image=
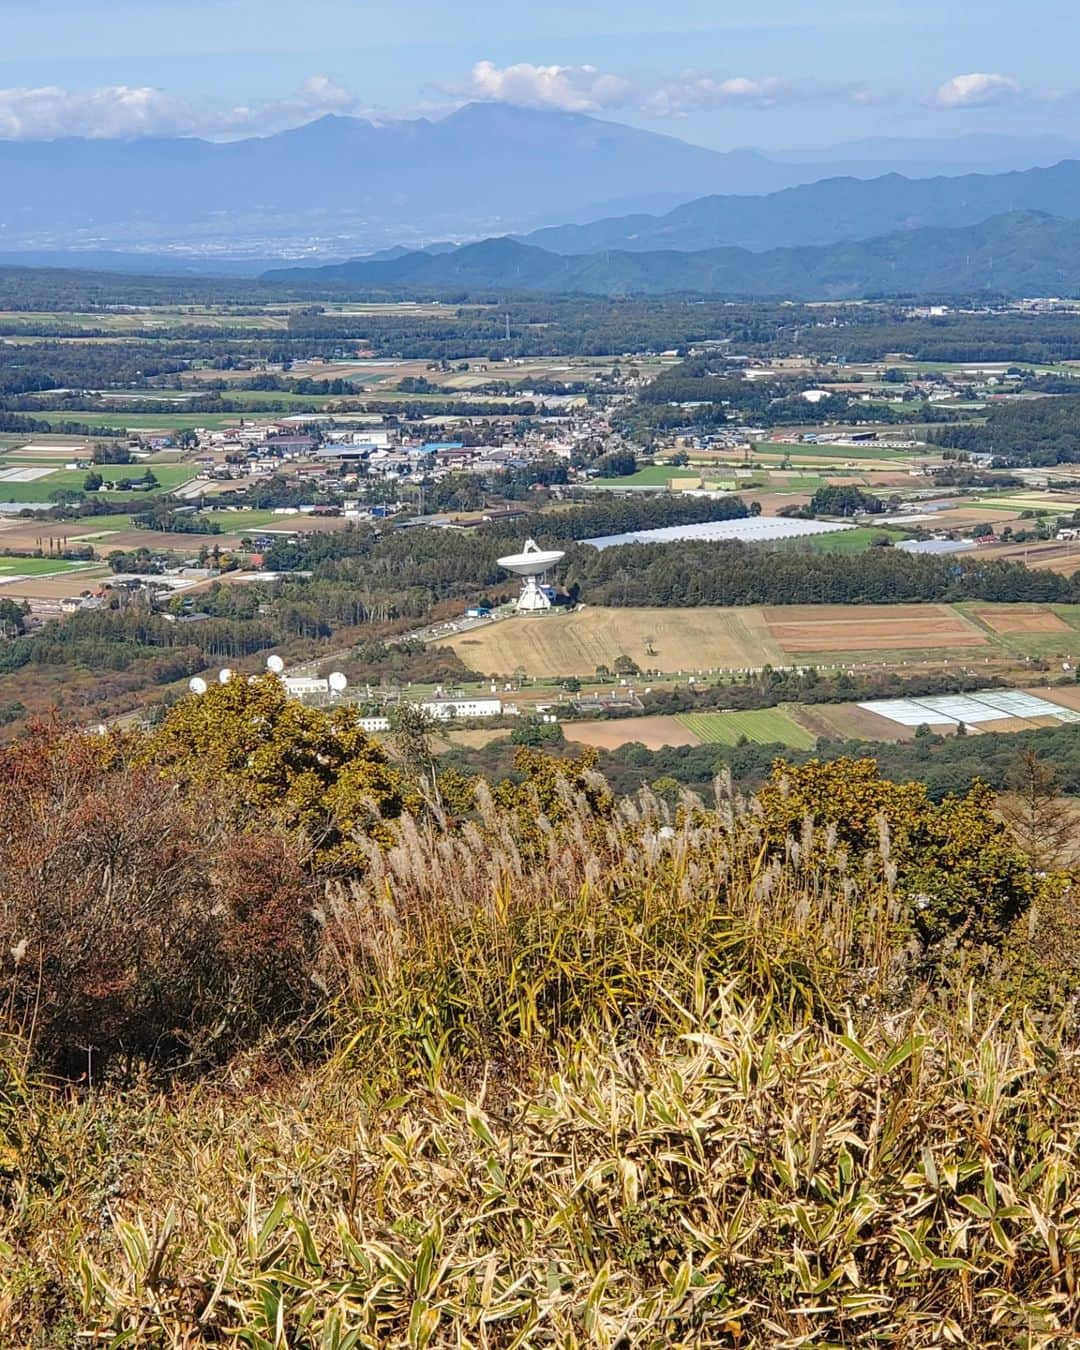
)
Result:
{"points": [[847, 721], [1023, 619], [877, 635], [1065, 695], [651, 732]]}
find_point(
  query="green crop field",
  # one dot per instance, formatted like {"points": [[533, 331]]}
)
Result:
{"points": [[787, 482], [127, 421], [95, 524], [652, 475], [849, 541], [765, 726], [840, 453], [36, 567], [169, 476]]}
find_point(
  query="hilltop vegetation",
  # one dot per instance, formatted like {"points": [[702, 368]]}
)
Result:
{"points": [[522, 1063], [1020, 253], [1039, 431], [826, 212]]}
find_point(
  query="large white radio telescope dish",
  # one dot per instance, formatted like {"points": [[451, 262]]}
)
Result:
{"points": [[197, 685], [531, 564], [338, 682], [275, 665]]}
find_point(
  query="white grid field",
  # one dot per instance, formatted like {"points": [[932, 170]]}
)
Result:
{"points": [[748, 530], [991, 705], [29, 474]]}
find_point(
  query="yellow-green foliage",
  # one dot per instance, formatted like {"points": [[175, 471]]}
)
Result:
{"points": [[594, 1074], [315, 771], [732, 1185], [964, 873]]}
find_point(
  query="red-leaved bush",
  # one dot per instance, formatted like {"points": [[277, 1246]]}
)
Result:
{"points": [[132, 923]]}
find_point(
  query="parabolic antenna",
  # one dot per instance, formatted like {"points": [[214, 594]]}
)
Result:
{"points": [[275, 665], [224, 676], [338, 683], [197, 685], [531, 564]]}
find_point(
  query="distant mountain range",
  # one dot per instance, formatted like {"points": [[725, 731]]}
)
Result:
{"points": [[340, 186], [342, 183], [1018, 253], [826, 212]]}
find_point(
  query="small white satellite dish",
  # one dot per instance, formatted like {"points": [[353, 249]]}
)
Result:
{"points": [[224, 676], [275, 665], [338, 683], [197, 685]]}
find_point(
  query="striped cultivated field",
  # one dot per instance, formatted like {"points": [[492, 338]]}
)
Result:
{"points": [[766, 726]]}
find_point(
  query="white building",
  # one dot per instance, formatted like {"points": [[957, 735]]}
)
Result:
{"points": [[448, 709], [305, 686]]}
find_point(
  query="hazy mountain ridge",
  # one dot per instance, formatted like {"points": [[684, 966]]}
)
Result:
{"points": [[341, 186], [485, 168], [826, 212], [1017, 253]]}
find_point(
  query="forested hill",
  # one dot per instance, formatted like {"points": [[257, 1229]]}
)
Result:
{"points": [[1036, 431], [1021, 253], [826, 212]]}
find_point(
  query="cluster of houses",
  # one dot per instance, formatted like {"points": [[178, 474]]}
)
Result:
{"points": [[315, 451]]}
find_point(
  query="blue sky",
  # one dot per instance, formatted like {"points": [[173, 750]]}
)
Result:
{"points": [[789, 73]]}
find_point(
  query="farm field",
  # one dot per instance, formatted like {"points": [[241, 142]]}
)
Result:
{"points": [[577, 643], [849, 722], [844, 630], [232, 521], [149, 421], [1050, 555], [54, 453], [36, 567], [656, 475], [48, 591], [840, 453], [764, 726], [705, 639], [850, 541], [651, 732], [47, 479], [1048, 632]]}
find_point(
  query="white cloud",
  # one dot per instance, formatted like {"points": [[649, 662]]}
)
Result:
{"points": [[693, 91], [976, 90], [124, 111], [571, 88], [589, 89]]}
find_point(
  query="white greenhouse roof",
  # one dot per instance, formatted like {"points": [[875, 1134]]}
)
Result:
{"points": [[990, 705], [747, 529]]}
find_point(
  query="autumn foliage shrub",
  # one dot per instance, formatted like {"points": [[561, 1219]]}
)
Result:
{"points": [[261, 755], [135, 923]]}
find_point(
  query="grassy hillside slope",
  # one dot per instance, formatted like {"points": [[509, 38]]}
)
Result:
{"points": [[552, 1070]]}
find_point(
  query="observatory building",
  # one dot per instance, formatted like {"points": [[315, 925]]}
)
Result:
{"points": [[532, 564]]}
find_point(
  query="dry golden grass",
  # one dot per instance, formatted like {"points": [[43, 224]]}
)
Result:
{"points": [[708, 638], [576, 644], [617, 1081]]}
